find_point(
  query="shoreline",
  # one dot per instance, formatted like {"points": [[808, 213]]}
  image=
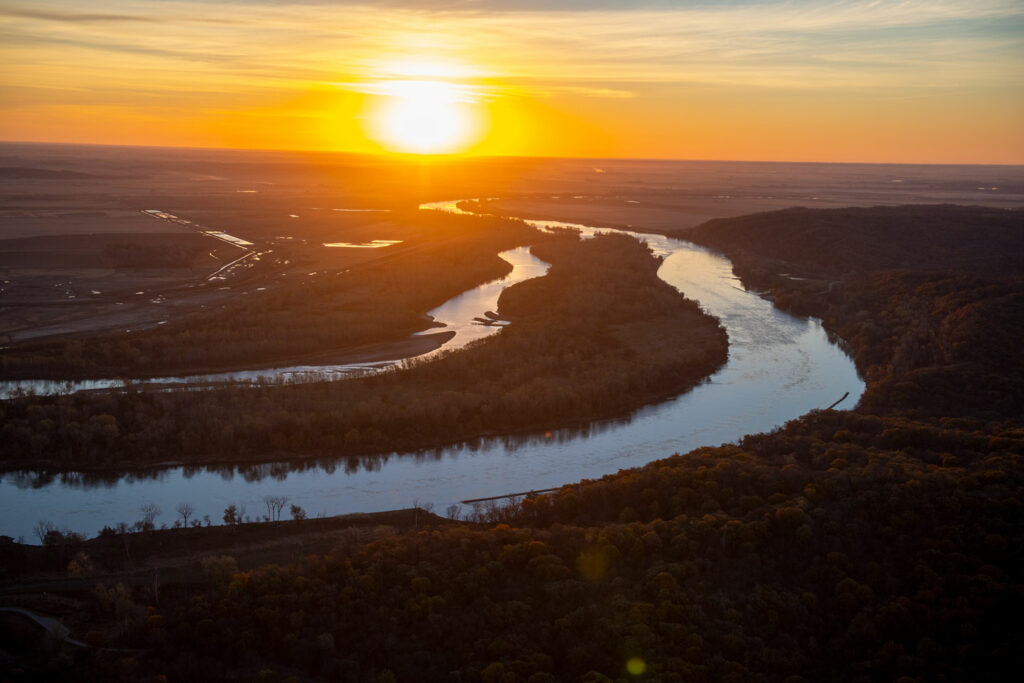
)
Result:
{"points": [[7, 468], [416, 343]]}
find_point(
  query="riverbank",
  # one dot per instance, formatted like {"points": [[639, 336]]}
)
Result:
{"points": [[323, 366], [249, 465], [132, 556]]}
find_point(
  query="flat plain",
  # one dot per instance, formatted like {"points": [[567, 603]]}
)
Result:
{"points": [[84, 251]]}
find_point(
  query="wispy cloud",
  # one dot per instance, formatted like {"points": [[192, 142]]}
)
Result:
{"points": [[161, 59], [73, 17], [762, 44]]}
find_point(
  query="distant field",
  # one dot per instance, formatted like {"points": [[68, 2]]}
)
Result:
{"points": [[72, 221], [676, 196], [110, 250], [39, 221], [657, 214]]}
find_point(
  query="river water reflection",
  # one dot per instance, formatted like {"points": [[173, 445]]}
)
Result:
{"points": [[779, 368]]}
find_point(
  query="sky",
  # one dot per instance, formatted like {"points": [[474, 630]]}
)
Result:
{"points": [[914, 81]]}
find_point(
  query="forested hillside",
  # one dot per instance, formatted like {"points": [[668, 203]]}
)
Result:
{"points": [[930, 298]]}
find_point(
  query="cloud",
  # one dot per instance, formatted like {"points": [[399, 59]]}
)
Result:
{"points": [[474, 92], [583, 50], [91, 17]]}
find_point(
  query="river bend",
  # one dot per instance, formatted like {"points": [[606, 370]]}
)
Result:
{"points": [[779, 368]]}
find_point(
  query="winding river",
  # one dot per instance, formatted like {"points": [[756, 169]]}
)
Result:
{"points": [[779, 367]]}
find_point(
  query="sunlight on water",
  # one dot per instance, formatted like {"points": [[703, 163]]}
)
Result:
{"points": [[460, 314], [375, 244]]}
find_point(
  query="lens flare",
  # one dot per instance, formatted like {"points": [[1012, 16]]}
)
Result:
{"points": [[636, 666]]}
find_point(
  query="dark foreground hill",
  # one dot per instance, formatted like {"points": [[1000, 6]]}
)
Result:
{"points": [[880, 544]]}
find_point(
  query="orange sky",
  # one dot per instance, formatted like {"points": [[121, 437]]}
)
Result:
{"points": [[912, 81]]}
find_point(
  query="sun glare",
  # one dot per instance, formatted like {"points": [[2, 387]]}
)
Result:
{"points": [[424, 117]]}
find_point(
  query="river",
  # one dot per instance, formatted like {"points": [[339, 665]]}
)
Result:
{"points": [[779, 367]]}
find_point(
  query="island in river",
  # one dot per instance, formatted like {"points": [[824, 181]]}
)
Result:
{"points": [[598, 336]]}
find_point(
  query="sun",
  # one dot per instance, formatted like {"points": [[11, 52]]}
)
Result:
{"points": [[424, 117]]}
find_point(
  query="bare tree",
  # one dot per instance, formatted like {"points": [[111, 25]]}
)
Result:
{"points": [[297, 512], [185, 510], [42, 528], [150, 511], [275, 504], [452, 511]]}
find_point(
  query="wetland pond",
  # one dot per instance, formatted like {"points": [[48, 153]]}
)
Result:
{"points": [[779, 368]]}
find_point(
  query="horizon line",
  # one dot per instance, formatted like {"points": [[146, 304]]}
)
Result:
{"points": [[470, 156]]}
